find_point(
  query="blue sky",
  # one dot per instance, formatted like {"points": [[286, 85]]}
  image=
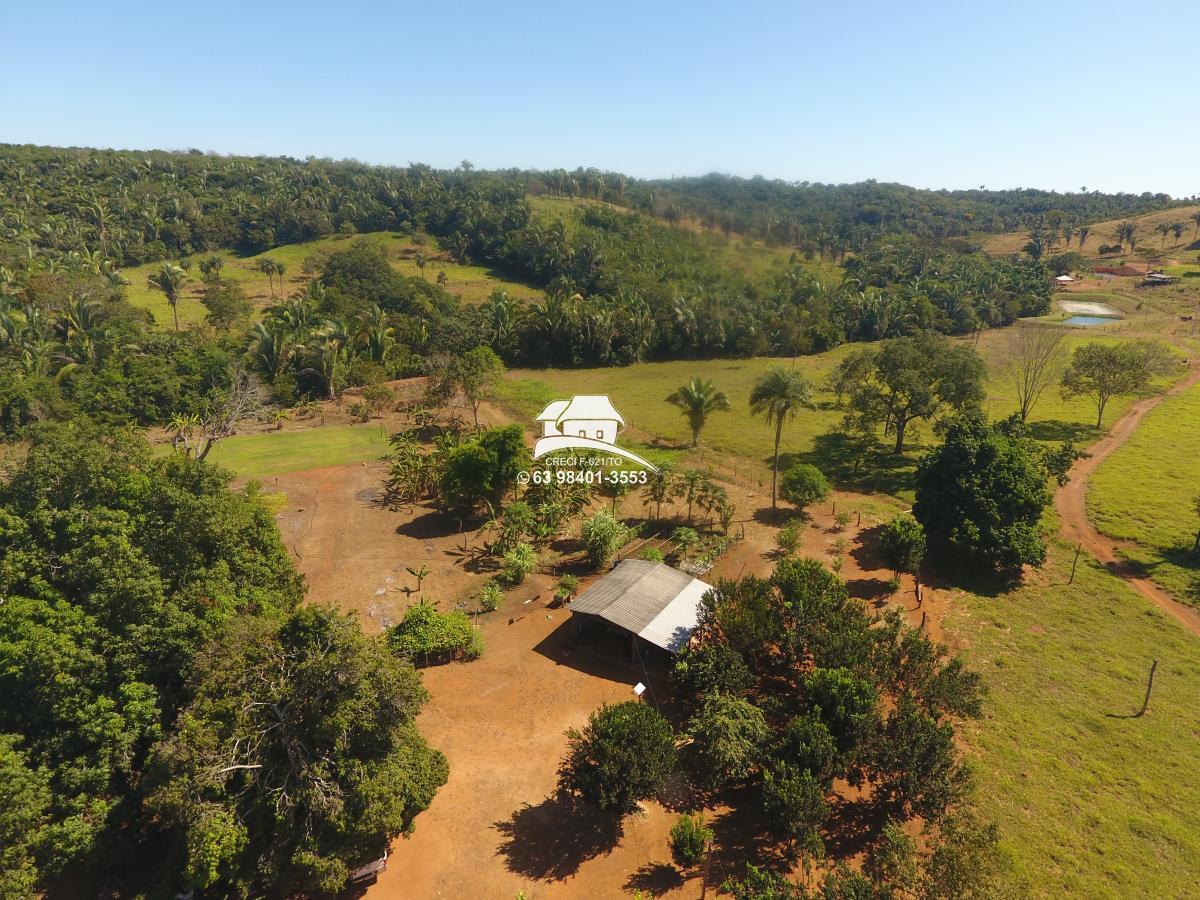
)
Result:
{"points": [[976, 92]]}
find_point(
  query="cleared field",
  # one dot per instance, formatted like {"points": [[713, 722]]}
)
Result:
{"points": [[276, 452], [1145, 493], [1090, 802], [471, 284], [751, 259], [639, 392], [1149, 242]]}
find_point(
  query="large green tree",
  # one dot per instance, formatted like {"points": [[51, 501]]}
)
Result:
{"points": [[148, 641], [916, 378], [295, 760], [1104, 371], [980, 497], [623, 755]]}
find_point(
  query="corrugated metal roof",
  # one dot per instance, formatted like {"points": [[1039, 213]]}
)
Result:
{"points": [[650, 599]]}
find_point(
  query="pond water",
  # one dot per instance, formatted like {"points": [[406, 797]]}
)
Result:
{"points": [[1089, 320]]}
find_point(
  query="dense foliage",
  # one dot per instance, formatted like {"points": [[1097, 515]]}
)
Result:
{"points": [[619, 285], [793, 684], [824, 216], [623, 755], [147, 631], [980, 496]]}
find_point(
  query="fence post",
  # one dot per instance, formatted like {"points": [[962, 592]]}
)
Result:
{"points": [[1149, 684]]}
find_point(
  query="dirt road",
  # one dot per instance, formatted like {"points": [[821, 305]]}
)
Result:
{"points": [[1071, 503]]}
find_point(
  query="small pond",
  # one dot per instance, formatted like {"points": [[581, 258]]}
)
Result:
{"points": [[1090, 320]]}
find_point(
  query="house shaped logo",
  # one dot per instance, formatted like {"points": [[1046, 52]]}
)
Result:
{"points": [[585, 422]]}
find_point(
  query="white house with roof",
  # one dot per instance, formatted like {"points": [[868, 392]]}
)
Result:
{"points": [[585, 416], [585, 422]]}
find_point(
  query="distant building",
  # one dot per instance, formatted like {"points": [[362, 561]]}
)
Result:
{"points": [[1153, 279], [1065, 279], [585, 415], [648, 601], [1127, 270]]}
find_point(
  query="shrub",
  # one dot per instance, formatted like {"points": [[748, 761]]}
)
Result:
{"points": [[803, 485], [491, 597], [788, 538], [566, 587], [519, 562], [902, 541], [623, 755], [426, 635], [689, 839], [603, 535], [650, 554], [685, 538]]}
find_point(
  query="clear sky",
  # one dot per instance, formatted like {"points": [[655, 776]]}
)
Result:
{"points": [[959, 94]]}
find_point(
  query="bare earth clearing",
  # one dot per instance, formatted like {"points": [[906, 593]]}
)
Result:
{"points": [[496, 828]]}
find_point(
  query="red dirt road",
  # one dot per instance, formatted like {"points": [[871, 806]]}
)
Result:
{"points": [[1071, 504]]}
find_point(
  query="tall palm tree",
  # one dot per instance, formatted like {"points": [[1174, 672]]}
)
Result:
{"points": [[1196, 219], [169, 279], [697, 400], [777, 396]]}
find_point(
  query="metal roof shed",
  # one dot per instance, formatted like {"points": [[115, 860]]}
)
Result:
{"points": [[647, 599]]}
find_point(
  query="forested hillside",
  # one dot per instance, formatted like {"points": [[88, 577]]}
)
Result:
{"points": [[819, 217], [618, 285]]}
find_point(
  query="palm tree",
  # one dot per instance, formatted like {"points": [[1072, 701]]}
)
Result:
{"points": [[1084, 231], [1164, 229], [777, 396], [169, 279], [1196, 219], [697, 400]]}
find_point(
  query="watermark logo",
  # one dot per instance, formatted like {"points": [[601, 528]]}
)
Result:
{"points": [[585, 422]]}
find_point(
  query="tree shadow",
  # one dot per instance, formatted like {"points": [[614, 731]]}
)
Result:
{"points": [[550, 841], [597, 652], [949, 572], [432, 524], [741, 833], [654, 879], [851, 826], [848, 464], [1058, 430]]}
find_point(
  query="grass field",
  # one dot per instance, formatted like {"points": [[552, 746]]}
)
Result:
{"points": [[1144, 492], [751, 259], [1089, 804], [471, 284], [275, 452], [639, 392], [1149, 242]]}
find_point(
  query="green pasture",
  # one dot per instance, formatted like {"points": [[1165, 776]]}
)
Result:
{"points": [[470, 283], [639, 392], [1090, 802], [275, 452], [1145, 492]]}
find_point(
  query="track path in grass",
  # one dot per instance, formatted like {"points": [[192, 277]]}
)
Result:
{"points": [[1071, 503]]}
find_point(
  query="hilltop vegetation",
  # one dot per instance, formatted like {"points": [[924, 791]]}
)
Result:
{"points": [[817, 217]]}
